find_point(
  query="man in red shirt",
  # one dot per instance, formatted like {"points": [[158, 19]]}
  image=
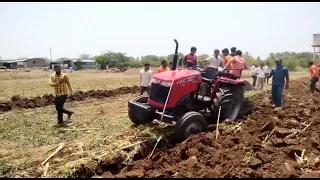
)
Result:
{"points": [[314, 73], [191, 58]]}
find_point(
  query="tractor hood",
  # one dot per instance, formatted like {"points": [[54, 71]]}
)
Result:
{"points": [[175, 75]]}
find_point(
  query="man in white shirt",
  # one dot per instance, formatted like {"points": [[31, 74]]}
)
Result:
{"points": [[267, 71], [145, 79], [260, 76], [254, 75], [216, 60]]}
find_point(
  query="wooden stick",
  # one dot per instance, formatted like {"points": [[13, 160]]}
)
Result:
{"points": [[50, 149], [61, 146], [158, 140], [268, 136], [218, 120], [131, 145], [85, 129], [46, 169], [304, 129]]}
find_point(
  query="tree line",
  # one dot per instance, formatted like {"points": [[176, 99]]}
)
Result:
{"points": [[294, 61]]}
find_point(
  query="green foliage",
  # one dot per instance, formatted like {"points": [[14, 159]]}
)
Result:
{"points": [[78, 64], [294, 61], [113, 59]]}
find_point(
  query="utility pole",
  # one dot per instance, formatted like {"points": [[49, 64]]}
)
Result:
{"points": [[50, 55]]}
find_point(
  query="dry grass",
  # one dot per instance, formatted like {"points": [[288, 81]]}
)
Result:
{"points": [[100, 129], [36, 82]]}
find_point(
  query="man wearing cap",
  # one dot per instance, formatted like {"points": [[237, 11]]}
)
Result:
{"points": [[280, 80], [61, 84]]}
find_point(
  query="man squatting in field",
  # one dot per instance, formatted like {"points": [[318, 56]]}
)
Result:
{"points": [[314, 73], [145, 79], [61, 83], [280, 79]]}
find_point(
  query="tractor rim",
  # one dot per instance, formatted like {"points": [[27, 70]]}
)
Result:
{"points": [[193, 128]]}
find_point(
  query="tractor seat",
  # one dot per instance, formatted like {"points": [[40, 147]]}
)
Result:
{"points": [[209, 74], [204, 98]]}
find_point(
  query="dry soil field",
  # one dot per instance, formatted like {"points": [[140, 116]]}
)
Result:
{"points": [[103, 142]]}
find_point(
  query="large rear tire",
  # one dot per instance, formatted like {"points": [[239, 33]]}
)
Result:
{"points": [[231, 102], [133, 118], [190, 123]]}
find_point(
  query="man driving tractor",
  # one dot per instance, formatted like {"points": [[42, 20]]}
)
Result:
{"points": [[191, 58]]}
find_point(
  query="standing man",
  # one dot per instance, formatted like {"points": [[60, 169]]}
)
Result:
{"points": [[227, 58], [145, 79], [163, 67], [266, 72], [191, 58], [254, 74], [238, 63], [314, 74], [61, 84], [280, 79], [260, 76], [216, 61], [233, 51]]}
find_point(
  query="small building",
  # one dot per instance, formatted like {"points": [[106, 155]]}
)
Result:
{"points": [[86, 64], [9, 64], [32, 62]]}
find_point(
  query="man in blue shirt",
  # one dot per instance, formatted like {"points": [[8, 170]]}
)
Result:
{"points": [[280, 79]]}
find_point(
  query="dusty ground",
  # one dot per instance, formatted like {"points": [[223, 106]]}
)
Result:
{"points": [[101, 129], [267, 144]]}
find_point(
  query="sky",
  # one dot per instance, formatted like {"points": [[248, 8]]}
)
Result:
{"points": [[70, 29]]}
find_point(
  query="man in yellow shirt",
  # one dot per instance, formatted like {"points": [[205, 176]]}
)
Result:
{"points": [[61, 84], [163, 67], [227, 58]]}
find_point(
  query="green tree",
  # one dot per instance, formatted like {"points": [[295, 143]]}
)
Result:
{"points": [[170, 56], [79, 64], [113, 59]]}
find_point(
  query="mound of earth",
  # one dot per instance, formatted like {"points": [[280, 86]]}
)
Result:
{"points": [[48, 99], [267, 144]]}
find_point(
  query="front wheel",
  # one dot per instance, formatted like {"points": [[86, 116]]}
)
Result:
{"points": [[231, 102], [190, 123], [132, 117]]}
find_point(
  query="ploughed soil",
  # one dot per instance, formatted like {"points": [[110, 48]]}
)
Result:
{"points": [[267, 144], [48, 99]]}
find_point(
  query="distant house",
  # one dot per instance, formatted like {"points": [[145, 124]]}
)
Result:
{"points": [[31, 62], [86, 64], [10, 64]]}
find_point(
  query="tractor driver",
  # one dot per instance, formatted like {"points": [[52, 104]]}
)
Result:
{"points": [[191, 58]]}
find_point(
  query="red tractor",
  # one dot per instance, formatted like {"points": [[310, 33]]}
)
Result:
{"points": [[191, 98]]}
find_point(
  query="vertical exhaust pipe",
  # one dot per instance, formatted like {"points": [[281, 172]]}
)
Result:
{"points": [[175, 56]]}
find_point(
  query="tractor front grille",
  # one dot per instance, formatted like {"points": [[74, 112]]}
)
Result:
{"points": [[159, 93]]}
